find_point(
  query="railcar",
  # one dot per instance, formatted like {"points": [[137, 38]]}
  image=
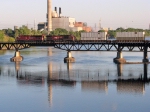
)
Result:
{"points": [[30, 38], [94, 36], [130, 36], [53, 38]]}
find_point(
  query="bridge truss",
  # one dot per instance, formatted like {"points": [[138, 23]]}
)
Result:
{"points": [[102, 46], [16, 46]]}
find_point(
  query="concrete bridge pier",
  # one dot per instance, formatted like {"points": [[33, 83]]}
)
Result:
{"points": [[69, 58], [145, 56], [17, 57], [119, 59]]}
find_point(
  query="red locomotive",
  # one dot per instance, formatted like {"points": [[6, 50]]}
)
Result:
{"points": [[61, 38], [40, 38], [30, 38]]}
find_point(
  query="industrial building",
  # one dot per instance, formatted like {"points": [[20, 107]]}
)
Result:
{"points": [[55, 20]]}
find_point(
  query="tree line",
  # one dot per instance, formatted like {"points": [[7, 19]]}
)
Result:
{"points": [[9, 35]]}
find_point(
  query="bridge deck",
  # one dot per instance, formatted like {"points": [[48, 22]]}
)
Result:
{"points": [[84, 45]]}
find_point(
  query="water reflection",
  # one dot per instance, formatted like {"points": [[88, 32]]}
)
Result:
{"points": [[49, 52], [119, 69], [131, 86], [145, 72], [96, 86], [25, 78], [90, 81], [55, 73], [17, 68]]}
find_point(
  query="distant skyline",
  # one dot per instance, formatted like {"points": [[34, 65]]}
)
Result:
{"points": [[112, 14]]}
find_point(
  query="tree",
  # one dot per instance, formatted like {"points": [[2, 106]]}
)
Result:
{"points": [[120, 29], [24, 31], [59, 31], [101, 31], [16, 33], [112, 33], [1, 35]]}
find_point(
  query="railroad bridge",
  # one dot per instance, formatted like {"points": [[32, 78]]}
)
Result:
{"points": [[118, 46]]}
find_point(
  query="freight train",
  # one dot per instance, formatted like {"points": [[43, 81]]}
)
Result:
{"points": [[42, 38], [98, 36]]}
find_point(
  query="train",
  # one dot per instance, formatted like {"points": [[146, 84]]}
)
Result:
{"points": [[30, 38], [43, 38], [85, 36]]}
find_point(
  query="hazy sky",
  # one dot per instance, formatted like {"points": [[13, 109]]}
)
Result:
{"points": [[112, 13]]}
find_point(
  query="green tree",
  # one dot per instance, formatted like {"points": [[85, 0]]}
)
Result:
{"points": [[24, 31], [16, 34], [1, 35], [120, 29], [101, 31], [59, 31], [10, 32], [111, 33], [147, 32]]}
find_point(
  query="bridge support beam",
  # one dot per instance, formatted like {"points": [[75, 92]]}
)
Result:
{"points": [[17, 57], [145, 56], [119, 59], [69, 58]]}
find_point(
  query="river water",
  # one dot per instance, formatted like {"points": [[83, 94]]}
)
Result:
{"points": [[42, 82]]}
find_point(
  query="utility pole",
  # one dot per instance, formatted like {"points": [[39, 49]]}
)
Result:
{"points": [[95, 27], [100, 24], [34, 24]]}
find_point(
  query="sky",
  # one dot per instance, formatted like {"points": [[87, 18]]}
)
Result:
{"points": [[110, 13]]}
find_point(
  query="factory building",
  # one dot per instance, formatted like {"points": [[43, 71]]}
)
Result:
{"points": [[63, 22], [83, 26], [42, 26], [67, 23], [55, 20]]}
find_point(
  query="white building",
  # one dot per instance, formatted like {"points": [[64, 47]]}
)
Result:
{"points": [[63, 22]]}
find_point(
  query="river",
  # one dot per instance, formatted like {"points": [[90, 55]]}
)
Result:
{"points": [[42, 82]]}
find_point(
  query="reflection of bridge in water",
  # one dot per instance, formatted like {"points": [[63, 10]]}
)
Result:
{"points": [[93, 83], [96, 75], [100, 82]]}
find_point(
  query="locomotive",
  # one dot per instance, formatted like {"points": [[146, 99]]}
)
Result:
{"points": [[30, 38], [41, 38], [60, 38]]}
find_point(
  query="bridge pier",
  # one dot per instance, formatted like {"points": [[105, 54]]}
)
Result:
{"points": [[69, 58], [17, 57], [145, 56], [119, 59]]}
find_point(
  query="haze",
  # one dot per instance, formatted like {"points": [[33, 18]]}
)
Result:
{"points": [[112, 13]]}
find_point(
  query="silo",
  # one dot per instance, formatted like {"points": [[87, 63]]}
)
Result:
{"points": [[49, 15]]}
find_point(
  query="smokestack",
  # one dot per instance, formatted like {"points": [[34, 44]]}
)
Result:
{"points": [[59, 11], [56, 9], [49, 15]]}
